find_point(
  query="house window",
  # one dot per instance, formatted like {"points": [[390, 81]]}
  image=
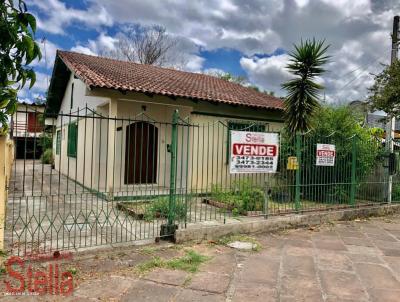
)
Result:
{"points": [[72, 95], [58, 142], [241, 126], [72, 139]]}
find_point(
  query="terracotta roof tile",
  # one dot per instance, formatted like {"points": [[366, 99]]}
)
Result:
{"points": [[129, 76]]}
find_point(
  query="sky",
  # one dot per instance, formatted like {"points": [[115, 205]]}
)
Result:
{"points": [[250, 38]]}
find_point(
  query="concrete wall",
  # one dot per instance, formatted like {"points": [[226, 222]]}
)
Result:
{"points": [[6, 161]]}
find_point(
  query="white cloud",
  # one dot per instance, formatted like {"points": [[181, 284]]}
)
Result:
{"points": [[358, 31], [59, 16], [267, 73], [49, 51], [39, 89]]}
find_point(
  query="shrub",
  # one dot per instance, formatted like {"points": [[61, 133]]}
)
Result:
{"points": [[243, 196], [47, 156], [159, 207], [338, 126]]}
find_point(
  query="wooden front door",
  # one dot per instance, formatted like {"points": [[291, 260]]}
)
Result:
{"points": [[141, 153]]}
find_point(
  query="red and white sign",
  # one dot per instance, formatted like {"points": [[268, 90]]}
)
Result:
{"points": [[254, 152], [325, 155]]}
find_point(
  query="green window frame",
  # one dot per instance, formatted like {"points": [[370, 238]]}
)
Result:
{"points": [[72, 140], [241, 126], [58, 142]]}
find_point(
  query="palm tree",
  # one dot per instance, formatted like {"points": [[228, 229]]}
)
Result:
{"points": [[301, 102]]}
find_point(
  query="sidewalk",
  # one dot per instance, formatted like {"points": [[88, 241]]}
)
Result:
{"points": [[346, 261]]}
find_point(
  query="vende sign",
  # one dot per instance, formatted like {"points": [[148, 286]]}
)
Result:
{"points": [[325, 155], [253, 152]]}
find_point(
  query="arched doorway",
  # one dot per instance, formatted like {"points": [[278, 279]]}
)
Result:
{"points": [[141, 152]]}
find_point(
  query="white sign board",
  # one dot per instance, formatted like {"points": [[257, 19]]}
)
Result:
{"points": [[253, 152], [326, 155]]}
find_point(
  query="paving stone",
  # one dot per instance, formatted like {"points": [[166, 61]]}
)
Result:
{"points": [[367, 258], [350, 233], [380, 295], [104, 289], [166, 276], [222, 264], [255, 294], [391, 252], [149, 291], [334, 260], [382, 237], [298, 251], [355, 249], [254, 274], [376, 276], [189, 295], [299, 243], [342, 285], [298, 266], [300, 289], [333, 245], [357, 241], [210, 282]]}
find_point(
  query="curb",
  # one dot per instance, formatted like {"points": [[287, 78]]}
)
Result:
{"points": [[273, 224]]}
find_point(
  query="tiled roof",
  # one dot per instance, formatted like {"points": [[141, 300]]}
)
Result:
{"points": [[128, 76]]}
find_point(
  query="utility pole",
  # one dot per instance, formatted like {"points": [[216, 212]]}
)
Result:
{"points": [[390, 127]]}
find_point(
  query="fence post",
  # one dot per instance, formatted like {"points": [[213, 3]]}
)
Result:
{"points": [[169, 229], [4, 154], [298, 172], [353, 171]]}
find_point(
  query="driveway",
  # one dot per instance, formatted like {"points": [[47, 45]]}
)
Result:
{"points": [[346, 261]]}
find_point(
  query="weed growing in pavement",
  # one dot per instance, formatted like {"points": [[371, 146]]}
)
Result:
{"points": [[190, 262]]}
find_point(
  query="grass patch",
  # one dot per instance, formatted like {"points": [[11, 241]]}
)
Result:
{"points": [[73, 271], [243, 238], [190, 262]]}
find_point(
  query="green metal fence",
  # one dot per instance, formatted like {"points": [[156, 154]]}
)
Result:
{"points": [[134, 178]]}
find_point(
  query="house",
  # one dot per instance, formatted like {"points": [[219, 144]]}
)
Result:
{"points": [[116, 120], [27, 125]]}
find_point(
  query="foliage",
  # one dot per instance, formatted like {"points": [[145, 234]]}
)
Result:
{"points": [[338, 126], [190, 262], [301, 101], [45, 141], [385, 92], [17, 50], [243, 196], [159, 207], [47, 156], [231, 78]]}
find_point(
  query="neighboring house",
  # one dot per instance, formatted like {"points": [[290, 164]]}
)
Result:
{"points": [[374, 119], [105, 107], [26, 128]]}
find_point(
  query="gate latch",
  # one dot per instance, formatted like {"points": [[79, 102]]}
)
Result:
{"points": [[169, 148]]}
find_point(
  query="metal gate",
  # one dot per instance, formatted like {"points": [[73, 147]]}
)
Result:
{"points": [[108, 180]]}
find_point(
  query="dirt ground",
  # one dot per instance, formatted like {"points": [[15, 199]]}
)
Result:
{"points": [[345, 261]]}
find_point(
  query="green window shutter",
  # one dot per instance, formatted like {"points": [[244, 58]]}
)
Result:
{"points": [[58, 142], [72, 140]]}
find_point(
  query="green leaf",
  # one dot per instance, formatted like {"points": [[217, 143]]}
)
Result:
{"points": [[32, 76], [32, 21]]}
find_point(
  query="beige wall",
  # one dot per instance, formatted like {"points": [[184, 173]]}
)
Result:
{"points": [[6, 161], [202, 147]]}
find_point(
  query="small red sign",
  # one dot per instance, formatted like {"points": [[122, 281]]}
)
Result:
{"points": [[254, 150]]}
